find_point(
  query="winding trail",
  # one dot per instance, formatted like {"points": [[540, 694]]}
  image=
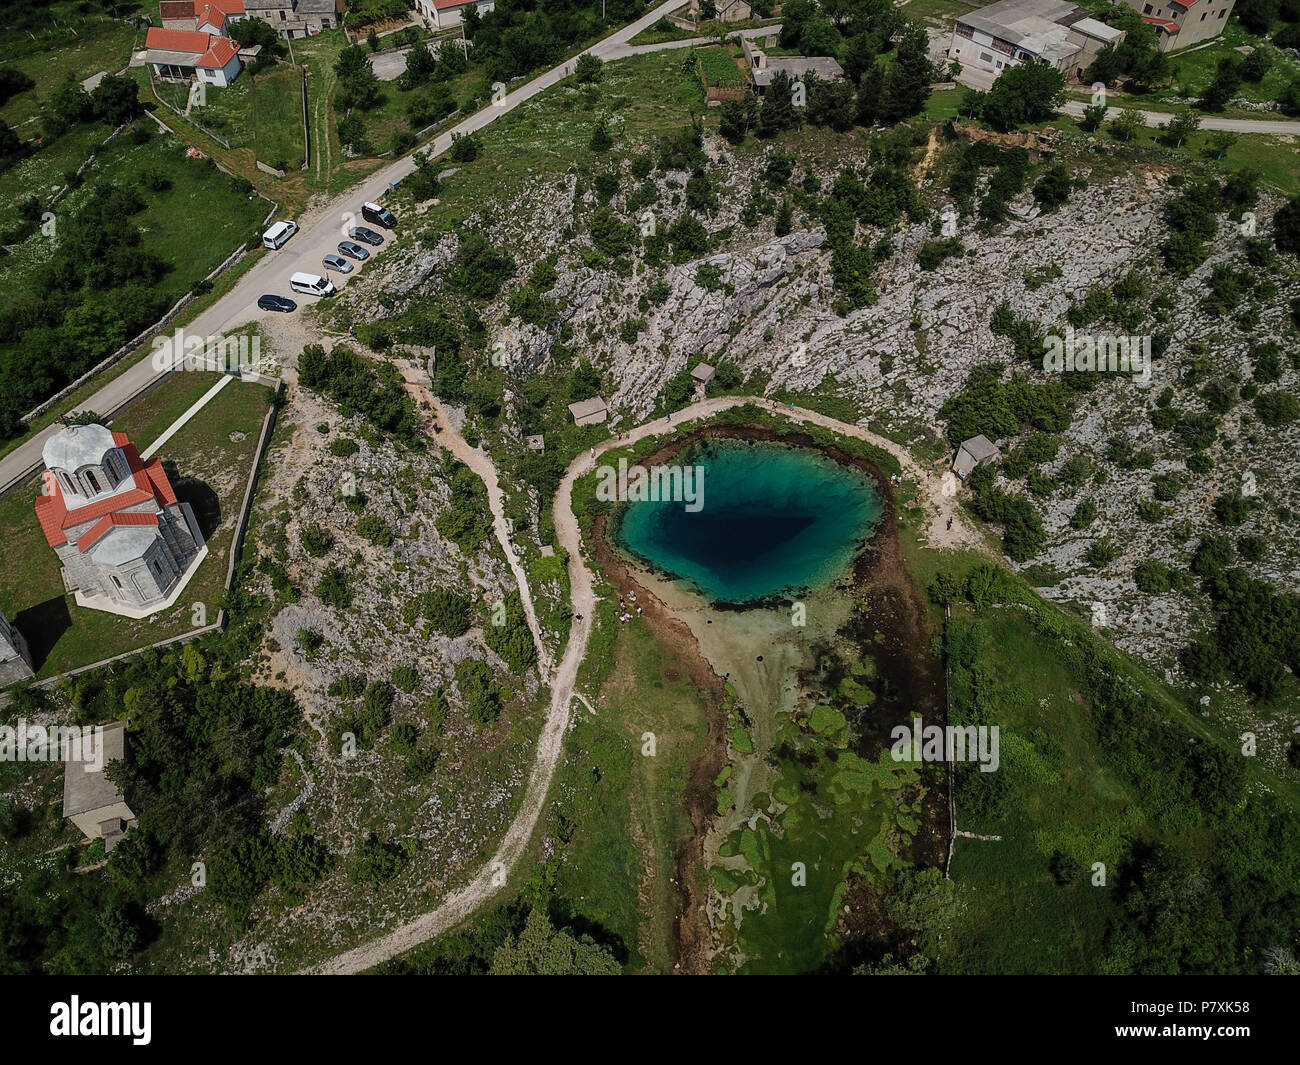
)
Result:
{"points": [[478, 461], [490, 880]]}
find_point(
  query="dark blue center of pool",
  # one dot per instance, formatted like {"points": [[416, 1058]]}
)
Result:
{"points": [[776, 520]]}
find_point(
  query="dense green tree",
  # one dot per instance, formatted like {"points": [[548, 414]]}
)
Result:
{"points": [[357, 85], [541, 950], [1027, 92]]}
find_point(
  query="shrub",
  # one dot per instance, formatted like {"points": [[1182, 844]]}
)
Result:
{"points": [[373, 528], [316, 540], [1252, 548], [403, 737], [406, 679], [465, 148], [1277, 408], [348, 686], [589, 69], [447, 611], [1152, 577], [344, 447], [1100, 553], [332, 589], [480, 692]]}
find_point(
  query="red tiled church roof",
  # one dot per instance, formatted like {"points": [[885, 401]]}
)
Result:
{"points": [[151, 483], [107, 522]]}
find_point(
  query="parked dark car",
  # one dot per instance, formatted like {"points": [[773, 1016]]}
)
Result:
{"points": [[354, 251], [368, 235], [276, 303], [380, 216]]}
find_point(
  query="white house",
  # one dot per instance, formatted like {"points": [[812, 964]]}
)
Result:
{"points": [[1179, 23], [185, 54], [446, 13]]}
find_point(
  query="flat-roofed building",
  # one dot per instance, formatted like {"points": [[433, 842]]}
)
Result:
{"points": [[91, 801], [763, 67], [589, 411], [1012, 32], [975, 452]]}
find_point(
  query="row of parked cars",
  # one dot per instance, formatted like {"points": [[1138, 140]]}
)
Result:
{"points": [[350, 250]]}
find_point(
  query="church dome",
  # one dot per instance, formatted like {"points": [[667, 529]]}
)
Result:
{"points": [[86, 461], [76, 446]]}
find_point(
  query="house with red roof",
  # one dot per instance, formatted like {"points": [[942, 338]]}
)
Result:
{"points": [[208, 16], [127, 544], [1180, 23], [446, 13], [182, 55]]}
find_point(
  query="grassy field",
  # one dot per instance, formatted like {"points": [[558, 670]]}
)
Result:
{"points": [[718, 68], [937, 12], [75, 53], [641, 97], [1062, 797], [207, 468], [261, 113], [42, 174], [1194, 68], [1276, 158], [148, 418], [629, 808], [169, 222], [663, 30]]}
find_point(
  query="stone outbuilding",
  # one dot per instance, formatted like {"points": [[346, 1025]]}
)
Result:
{"points": [[91, 801], [703, 373], [15, 658], [127, 544], [536, 442], [975, 452], [589, 411]]}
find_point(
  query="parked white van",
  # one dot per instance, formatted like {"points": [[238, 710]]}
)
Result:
{"points": [[276, 236], [312, 284]]}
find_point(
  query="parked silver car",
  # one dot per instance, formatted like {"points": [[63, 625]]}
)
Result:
{"points": [[337, 262]]}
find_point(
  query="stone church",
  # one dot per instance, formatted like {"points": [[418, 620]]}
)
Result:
{"points": [[127, 545], [15, 659]]}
